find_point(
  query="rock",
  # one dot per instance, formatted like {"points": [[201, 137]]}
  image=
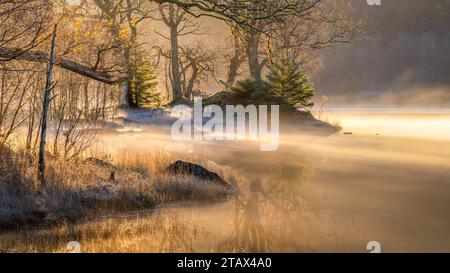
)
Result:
{"points": [[186, 168], [348, 133]]}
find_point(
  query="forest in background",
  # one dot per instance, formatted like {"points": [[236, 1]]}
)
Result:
{"points": [[401, 58]]}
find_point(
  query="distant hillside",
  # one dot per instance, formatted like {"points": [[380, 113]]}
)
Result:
{"points": [[405, 47]]}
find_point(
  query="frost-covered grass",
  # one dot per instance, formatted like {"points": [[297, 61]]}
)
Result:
{"points": [[75, 189], [159, 233]]}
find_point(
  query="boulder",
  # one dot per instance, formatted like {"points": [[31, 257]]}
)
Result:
{"points": [[186, 168]]}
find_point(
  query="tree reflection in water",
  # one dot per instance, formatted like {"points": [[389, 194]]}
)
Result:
{"points": [[269, 213]]}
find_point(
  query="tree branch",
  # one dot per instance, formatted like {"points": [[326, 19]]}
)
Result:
{"points": [[41, 57]]}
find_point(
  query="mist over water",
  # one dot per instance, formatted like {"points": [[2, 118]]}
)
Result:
{"points": [[384, 178], [425, 123], [388, 181]]}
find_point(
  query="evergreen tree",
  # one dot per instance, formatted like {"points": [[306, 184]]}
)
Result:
{"points": [[288, 81], [145, 83], [251, 91]]}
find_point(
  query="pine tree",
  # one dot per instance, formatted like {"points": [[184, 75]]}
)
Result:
{"points": [[288, 81], [145, 83], [251, 91]]}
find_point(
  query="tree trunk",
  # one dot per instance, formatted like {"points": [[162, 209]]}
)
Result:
{"points": [[235, 61], [176, 77], [131, 100], [129, 87], [46, 102], [190, 86], [131, 63], [124, 102], [253, 55], [232, 72], [175, 55]]}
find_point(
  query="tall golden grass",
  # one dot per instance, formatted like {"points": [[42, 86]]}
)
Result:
{"points": [[78, 188]]}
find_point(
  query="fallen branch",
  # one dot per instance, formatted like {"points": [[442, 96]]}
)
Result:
{"points": [[42, 57]]}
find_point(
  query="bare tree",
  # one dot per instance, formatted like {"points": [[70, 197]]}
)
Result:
{"points": [[255, 18], [45, 106], [197, 63], [78, 110], [300, 38], [180, 23], [260, 30], [21, 39], [234, 58], [243, 13], [34, 110], [123, 18], [298, 35], [15, 85], [23, 24]]}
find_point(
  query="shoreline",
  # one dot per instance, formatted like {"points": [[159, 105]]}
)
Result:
{"points": [[100, 194]]}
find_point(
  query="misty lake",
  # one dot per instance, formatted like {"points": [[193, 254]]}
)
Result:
{"points": [[384, 178]]}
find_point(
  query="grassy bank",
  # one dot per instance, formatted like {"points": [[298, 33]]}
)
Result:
{"points": [[160, 233], [90, 185]]}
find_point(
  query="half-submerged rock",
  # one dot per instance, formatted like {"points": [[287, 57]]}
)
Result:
{"points": [[186, 168]]}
